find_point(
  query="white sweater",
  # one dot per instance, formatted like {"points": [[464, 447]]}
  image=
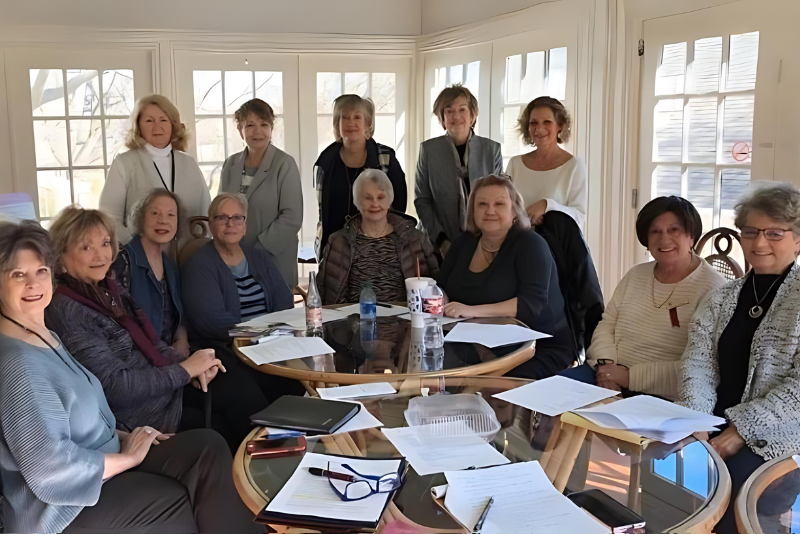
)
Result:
{"points": [[635, 333], [564, 187]]}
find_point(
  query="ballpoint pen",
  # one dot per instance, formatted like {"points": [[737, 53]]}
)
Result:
{"points": [[482, 519], [318, 472], [384, 305]]}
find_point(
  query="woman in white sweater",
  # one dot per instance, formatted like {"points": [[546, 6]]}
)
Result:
{"points": [[638, 344], [157, 140], [548, 178]]}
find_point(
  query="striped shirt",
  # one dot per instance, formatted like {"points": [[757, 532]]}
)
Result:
{"points": [[377, 260], [252, 299]]}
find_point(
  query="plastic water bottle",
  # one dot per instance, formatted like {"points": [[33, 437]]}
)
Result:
{"points": [[432, 305], [368, 303], [313, 307]]}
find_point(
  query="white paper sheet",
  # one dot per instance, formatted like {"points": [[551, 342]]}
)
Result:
{"points": [[652, 418], [492, 335], [555, 395], [306, 494], [381, 310], [361, 421], [357, 391], [294, 317], [428, 456], [442, 320], [285, 348], [525, 502]]}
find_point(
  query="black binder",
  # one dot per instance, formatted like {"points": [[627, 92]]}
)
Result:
{"points": [[306, 414]]}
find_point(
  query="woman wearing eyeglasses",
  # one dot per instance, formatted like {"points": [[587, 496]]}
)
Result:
{"points": [[743, 357]]}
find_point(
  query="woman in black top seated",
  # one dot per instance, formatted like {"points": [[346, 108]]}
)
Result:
{"points": [[499, 267]]}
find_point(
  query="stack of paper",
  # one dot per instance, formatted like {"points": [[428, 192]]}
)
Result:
{"points": [[294, 317], [651, 418], [285, 348], [525, 502], [492, 335], [357, 391], [555, 395], [361, 421], [381, 311]]}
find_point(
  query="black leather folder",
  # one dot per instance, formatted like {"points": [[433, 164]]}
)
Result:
{"points": [[306, 414]]}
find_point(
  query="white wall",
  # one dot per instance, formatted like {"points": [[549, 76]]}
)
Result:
{"points": [[439, 15], [363, 17]]}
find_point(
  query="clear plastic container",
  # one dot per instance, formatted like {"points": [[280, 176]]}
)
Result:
{"points": [[445, 416]]}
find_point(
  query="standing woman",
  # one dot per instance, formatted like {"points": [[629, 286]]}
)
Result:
{"points": [[157, 141], [343, 160], [449, 165], [549, 178], [270, 180]]}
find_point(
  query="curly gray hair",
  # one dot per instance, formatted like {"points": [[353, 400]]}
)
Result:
{"points": [[139, 210], [377, 177], [780, 202]]}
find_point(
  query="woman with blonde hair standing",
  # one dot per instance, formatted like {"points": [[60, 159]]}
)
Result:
{"points": [[157, 141]]}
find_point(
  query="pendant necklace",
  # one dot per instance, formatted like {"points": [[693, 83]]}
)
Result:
{"points": [[757, 311], [484, 250]]}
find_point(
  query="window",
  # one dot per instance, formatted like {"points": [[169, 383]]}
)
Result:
{"points": [[467, 75], [217, 96], [703, 123], [690, 468], [528, 76], [80, 119]]}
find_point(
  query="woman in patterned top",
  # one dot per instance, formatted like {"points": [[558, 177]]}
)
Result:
{"points": [[377, 246]]}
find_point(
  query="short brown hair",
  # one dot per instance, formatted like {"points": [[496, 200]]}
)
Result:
{"points": [[780, 202], [347, 103], [138, 212], [521, 219], [180, 135], [683, 209], [25, 235], [449, 95], [73, 223], [561, 114], [257, 107]]}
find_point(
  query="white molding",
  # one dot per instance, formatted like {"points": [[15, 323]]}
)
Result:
{"points": [[6, 154]]}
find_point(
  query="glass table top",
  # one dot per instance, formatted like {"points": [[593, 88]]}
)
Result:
{"points": [[778, 506]]}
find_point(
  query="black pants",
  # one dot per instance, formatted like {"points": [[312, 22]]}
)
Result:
{"points": [[235, 396], [740, 466], [183, 486]]}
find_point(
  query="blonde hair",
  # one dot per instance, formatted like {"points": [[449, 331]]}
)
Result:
{"points": [[562, 116], [348, 103], [180, 135], [71, 226], [449, 95], [521, 219], [780, 202], [222, 197]]}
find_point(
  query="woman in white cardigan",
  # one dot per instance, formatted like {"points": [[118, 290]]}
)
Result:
{"points": [[548, 178], [157, 140]]}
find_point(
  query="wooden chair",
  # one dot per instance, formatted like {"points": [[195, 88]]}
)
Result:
{"points": [[720, 258], [198, 229]]}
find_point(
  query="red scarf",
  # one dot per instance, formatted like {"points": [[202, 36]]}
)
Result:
{"points": [[141, 331]]}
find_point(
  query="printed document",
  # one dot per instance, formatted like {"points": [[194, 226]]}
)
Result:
{"points": [[555, 395], [492, 335], [285, 348], [294, 317], [357, 391]]}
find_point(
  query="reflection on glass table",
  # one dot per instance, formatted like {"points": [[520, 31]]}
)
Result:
{"points": [[769, 502], [667, 485]]}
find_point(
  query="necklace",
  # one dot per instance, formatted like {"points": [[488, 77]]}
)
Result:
{"points": [[757, 311], [484, 251], [380, 234], [673, 289]]}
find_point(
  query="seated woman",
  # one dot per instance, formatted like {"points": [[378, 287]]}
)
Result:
{"points": [[144, 268], [376, 246], [743, 357], [638, 344], [499, 267], [65, 468]]}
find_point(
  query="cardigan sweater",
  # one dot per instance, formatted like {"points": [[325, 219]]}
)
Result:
{"points": [[55, 429], [768, 418]]}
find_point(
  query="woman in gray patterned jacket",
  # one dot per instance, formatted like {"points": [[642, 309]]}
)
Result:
{"points": [[743, 357]]}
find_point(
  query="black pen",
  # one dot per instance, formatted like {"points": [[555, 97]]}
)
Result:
{"points": [[383, 305], [482, 519], [318, 472]]}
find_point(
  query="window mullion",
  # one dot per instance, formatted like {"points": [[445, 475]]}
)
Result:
{"points": [[101, 90], [224, 111], [69, 135]]}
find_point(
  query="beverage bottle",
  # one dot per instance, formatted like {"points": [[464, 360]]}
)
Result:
{"points": [[368, 303], [433, 305], [313, 306]]}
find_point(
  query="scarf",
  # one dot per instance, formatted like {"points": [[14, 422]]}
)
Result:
{"points": [[110, 304]]}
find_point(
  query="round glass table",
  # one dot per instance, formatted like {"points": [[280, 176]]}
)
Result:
{"points": [[768, 502], [675, 488], [368, 353]]}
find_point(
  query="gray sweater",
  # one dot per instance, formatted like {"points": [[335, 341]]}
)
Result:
{"points": [[55, 429], [139, 393]]}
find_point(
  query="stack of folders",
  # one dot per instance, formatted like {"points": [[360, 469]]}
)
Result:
{"points": [[308, 501]]}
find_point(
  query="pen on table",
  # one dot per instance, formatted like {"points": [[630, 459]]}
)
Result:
{"points": [[384, 305], [482, 519], [317, 472]]}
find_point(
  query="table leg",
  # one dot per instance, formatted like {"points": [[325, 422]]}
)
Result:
{"points": [[568, 461]]}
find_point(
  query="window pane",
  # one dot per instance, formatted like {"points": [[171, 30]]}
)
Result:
{"points": [[737, 128], [116, 130], [235, 142], [278, 137], [743, 62], [671, 72], [212, 173], [667, 181], [557, 73], [83, 93], [456, 75], [667, 468], [238, 89], [88, 184], [668, 130], [513, 77], [436, 128], [439, 83], [324, 132], [207, 92], [210, 141], [50, 138], [701, 130], [118, 97], [512, 144], [383, 92], [47, 92], [700, 192], [472, 81], [695, 468], [532, 84], [329, 87], [86, 138], [269, 88], [384, 130], [54, 194], [735, 184], [356, 83], [704, 77]]}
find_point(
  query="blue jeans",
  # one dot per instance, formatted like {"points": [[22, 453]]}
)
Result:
{"points": [[582, 373]]}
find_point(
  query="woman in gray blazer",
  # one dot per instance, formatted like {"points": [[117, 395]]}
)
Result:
{"points": [[448, 165], [270, 180]]}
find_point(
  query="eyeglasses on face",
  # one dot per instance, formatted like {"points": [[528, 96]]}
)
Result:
{"points": [[770, 234], [361, 489], [237, 220]]}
